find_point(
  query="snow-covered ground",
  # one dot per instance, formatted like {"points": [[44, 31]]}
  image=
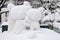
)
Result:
{"points": [[42, 34]]}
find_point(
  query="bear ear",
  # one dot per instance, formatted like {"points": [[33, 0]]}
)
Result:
{"points": [[10, 5], [26, 3]]}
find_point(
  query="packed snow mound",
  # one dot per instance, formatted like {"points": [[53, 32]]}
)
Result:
{"points": [[19, 12], [34, 14], [10, 5], [44, 34]]}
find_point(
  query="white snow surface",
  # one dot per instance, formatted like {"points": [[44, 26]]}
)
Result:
{"points": [[5, 23], [42, 34]]}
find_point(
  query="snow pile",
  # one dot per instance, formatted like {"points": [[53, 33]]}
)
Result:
{"points": [[44, 34]]}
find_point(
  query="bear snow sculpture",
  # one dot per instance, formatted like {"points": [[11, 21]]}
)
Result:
{"points": [[17, 13], [33, 17]]}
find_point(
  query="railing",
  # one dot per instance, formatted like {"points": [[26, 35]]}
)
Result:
{"points": [[1, 12]]}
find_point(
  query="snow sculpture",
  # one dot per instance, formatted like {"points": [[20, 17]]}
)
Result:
{"points": [[33, 18], [16, 16]]}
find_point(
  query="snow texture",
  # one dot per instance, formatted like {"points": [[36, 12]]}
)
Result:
{"points": [[43, 34]]}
